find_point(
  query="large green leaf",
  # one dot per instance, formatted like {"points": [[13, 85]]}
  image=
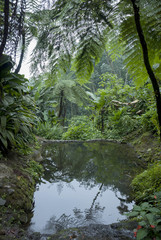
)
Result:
{"points": [[4, 141], [16, 115], [151, 218], [142, 234], [5, 64], [3, 122]]}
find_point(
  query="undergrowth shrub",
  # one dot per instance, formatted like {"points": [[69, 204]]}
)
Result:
{"points": [[81, 128], [126, 124], [149, 120], [111, 134], [148, 216], [49, 131], [16, 109], [120, 124]]}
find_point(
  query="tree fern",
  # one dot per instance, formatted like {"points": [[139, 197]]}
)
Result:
{"points": [[78, 40], [15, 33], [73, 91], [79, 31], [55, 95]]}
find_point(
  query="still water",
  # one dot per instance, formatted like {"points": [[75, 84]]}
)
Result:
{"points": [[83, 183]]}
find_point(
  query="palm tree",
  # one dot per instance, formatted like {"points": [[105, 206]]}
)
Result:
{"points": [[66, 88], [59, 93], [78, 32]]}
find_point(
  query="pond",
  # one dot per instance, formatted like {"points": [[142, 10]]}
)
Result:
{"points": [[83, 183]]}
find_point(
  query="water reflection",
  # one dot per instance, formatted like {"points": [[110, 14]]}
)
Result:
{"points": [[83, 183]]}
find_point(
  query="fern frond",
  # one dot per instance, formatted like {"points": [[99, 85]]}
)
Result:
{"points": [[77, 31], [125, 35]]}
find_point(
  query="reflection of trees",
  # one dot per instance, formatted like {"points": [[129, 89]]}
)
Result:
{"points": [[90, 215], [95, 198], [64, 161], [90, 163], [79, 218]]}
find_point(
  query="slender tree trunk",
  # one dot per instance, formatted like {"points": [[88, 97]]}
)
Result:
{"points": [[22, 53], [64, 114], [102, 120], [6, 25], [61, 104], [147, 62]]}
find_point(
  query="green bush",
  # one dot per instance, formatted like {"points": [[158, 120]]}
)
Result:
{"points": [[148, 215], [149, 120], [16, 115], [48, 131], [81, 128], [121, 123], [126, 124], [35, 170], [111, 134], [147, 182]]}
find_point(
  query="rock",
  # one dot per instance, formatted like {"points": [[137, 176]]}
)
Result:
{"points": [[37, 156], [10, 191], [35, 236], [24, 219], [5, 171], [116, 231], [2, 202]]}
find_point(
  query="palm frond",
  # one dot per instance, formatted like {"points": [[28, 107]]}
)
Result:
{"points": [[81, 36]]}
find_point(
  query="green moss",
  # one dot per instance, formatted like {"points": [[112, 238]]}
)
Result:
{"points": [[35, 170], [22, 197], [148, 182]]}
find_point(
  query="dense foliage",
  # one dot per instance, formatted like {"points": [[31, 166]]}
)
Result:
{"points": [[75, 39], [16, 115], [96, 74], [81, 30]]}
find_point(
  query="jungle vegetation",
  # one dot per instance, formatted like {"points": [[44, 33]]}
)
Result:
{"points": [[95, 69], [95, 73]]}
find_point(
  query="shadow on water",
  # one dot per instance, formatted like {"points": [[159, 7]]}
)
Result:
{"points": [[83, 183]]}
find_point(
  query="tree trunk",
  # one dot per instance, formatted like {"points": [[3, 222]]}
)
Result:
{"points": [[61, 104], [6, 25], [62, 110], [22, 53], [147, 62], [64, 114]]}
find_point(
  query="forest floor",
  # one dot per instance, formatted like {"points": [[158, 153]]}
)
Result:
{"points": [[17, 186]]}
